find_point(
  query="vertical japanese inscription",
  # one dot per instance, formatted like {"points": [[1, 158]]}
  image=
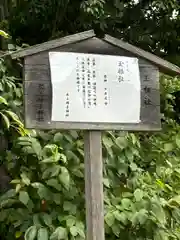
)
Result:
{"points": [[94, 86], [120, 71], [89, 83], [40, 103], [83, 81], [106, 97], [146, 89], [67, 107], [86, 80], [77, 75]]}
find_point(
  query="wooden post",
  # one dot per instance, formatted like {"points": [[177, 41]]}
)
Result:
{"points": [[94, 185]]}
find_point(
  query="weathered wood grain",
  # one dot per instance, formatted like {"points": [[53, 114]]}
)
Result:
{"points": [[53, 44], [37, 72], [94, 185], [93, 45], [164, 65]]}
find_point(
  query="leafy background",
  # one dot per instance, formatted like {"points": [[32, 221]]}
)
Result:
{"points": [[42, 172]]}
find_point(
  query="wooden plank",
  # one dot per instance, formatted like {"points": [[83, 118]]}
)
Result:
{"points": [[37, 72], [141, 127], [164, 65], [53, 44], [94, 185]]}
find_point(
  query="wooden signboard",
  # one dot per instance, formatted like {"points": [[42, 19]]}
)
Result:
{"points": [[38, 91], [83, 82]]}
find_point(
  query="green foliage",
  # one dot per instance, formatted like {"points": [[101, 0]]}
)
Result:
{"points": [[141, 171], [141, 179], [151, 24]]}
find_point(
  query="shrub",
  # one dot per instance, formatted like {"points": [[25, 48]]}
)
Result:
{"points": [[141, 176]]}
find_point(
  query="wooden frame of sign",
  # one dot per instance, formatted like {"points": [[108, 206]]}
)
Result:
{"points": [[38, 104]]}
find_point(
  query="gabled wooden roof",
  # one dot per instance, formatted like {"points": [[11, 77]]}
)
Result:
{"points": [[163, 65], [53, 44]]}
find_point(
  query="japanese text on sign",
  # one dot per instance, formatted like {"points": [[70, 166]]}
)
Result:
{"points": [[94, 88]]}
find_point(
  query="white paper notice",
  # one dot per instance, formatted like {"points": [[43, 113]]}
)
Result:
{"points": [[94, 88]]}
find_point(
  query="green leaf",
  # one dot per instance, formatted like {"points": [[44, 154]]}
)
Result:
{"points": [[24, 141], [14, 117], [64, 178], [138, 194], [108, 143], [129, 154], [54, 183], [74, 231], [168, 147], [8, 203], [6, 120], [3, 100], [69, 207], [53, 159], [121, 217], [122, 142], [48, 160], [59, 233], [109, 219], [134, 138], [28, 150], [51, 172], [57, 198], [126, 203], [47, 219], [25, 179], [72, 156], [158, 211], [30, 205], [123, 168], [174, 202], [36, 220], [31, 233], [70, 221], [178, 141], [23, 197], [1, 87], [4, 214], [77, 172], [18, 234], [4, 34], [80, 230], [50, 149], [116, 229], [133, 167], [139, 217], [42, 234], [16, 181], [160, 235], [36, 146], [106, 182], [63, 158], [9, 194], [43, 192], [58, 137]]}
